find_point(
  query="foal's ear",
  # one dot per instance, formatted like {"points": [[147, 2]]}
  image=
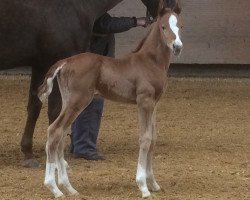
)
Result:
{"points": [[174, 5], [177, 7], [160, 6]]}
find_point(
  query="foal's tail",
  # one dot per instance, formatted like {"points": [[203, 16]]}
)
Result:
{"points": [[46, 88]]}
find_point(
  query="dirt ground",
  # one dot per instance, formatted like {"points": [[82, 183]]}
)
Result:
{"points": [[202, 152]]}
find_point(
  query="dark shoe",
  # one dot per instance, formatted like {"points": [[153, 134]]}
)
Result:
{"points": [[94, 156]]}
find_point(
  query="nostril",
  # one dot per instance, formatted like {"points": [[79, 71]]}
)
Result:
{"points": [[177, 47]]}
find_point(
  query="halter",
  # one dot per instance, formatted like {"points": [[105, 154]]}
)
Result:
{"points": [[149, 18]]}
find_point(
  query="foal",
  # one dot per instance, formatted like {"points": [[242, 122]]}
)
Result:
{"points": [[138, 78]]}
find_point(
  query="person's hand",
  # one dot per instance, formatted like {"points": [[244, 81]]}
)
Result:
{"points": [[143, 21]]}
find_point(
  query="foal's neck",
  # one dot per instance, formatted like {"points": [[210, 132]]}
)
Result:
{"points": [[155, 49]]}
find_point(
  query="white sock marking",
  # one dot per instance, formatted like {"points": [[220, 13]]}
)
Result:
{"points": [[63, 178], [141, 180], [50, 181]]}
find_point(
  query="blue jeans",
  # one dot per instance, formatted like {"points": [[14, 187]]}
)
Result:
{"points": [[85, 129]]}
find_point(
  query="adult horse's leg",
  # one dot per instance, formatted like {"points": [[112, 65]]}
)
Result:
{"points": [[146, 107], [33, 108], [152, 184]]}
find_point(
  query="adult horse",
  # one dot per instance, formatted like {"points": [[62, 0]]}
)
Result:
{"points": [[138, 78], [37, 34]]}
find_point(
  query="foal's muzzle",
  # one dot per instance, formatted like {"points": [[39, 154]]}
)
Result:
{"points": [[177, 49]]}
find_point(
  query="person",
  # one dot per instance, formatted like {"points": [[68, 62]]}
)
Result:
{"points": [[85, 129]]}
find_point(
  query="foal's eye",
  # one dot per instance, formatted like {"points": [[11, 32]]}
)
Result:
{"points": [[163, 27]]}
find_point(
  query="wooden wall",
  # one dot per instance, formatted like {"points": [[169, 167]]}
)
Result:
{"points": [[215, 31]]}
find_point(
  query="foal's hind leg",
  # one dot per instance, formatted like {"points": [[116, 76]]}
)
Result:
{"points": [[152, 184], [70, 109], [55, 134], [55, 158], [146, 107], [62, 166]]}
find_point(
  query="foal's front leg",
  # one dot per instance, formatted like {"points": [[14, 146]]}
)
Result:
{"points": [[152, 184], [146, 107]]}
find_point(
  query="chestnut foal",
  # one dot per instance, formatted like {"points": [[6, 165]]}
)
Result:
{"points": [[139, 77]]}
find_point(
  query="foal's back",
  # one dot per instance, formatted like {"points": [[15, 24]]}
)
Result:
{"points": [[112, 78], [116, 79]]}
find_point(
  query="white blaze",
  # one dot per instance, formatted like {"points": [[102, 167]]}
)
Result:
{"points": [[175, 29]]}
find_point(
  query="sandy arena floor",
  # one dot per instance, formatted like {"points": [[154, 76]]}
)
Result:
{"points": [[203, 147]]}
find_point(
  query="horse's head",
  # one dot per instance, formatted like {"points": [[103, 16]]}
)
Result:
{"points": [[169, 25]]}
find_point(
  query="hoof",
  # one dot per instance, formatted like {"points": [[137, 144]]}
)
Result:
{"points": [[155, 188], [75, 193], [31, 163], [146, 195], [152, 196], [62, 196]]}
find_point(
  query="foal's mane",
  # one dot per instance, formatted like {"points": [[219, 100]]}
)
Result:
{"points": [[140, 45], [138, 48]]}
